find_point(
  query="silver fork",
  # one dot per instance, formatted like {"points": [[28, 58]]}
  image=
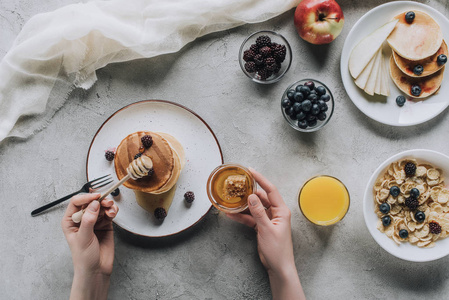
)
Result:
{"points": [[93, 184]]}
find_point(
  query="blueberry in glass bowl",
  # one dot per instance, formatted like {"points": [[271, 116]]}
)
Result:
{"points": [[307, 105], [265, 56]]}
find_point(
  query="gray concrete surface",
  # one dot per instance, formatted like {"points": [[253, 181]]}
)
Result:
{"points": [[217, 259]]}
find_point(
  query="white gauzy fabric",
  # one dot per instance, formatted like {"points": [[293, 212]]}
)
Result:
{"points": [[65, 47]]}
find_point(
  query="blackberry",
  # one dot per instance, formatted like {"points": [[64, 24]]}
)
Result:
{"points": [[280, 52], [410, 169], [160, 213], [277, 68], [137, 155], [248, 55], [115, 192], [254, 48], [263, 40], [273, 46], [264, 74], [411, 203], [250, 67], [258, 59], [434, 227], [189, 196], [109, 155], [270, 64], [265, 51], [147, 141]]}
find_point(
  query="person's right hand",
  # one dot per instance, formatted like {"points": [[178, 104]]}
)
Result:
{"points": [[270, 218]]}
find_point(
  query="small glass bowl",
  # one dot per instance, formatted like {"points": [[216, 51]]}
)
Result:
{"points": [[225, 170], [319, 124], [276, 38]]}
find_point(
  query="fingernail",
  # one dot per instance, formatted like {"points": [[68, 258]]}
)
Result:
{"points": [[94, 206], [253, 201]]}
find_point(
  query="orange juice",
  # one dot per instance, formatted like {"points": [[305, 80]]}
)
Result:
{"points": [[324, 200]]}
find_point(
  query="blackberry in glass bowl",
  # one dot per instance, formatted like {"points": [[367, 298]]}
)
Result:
{"points": [[314, 105]]}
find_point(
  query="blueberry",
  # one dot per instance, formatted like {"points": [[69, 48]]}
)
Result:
{"points": [[298, 97], [320, 90], [315, 109], [302, 124], [409, 17], [414, 192], [415, 90], [321, 116], [301, 116], [418, 69], [115, 192], [310, 84], [403, 233], [310, 118], [325, 97], [384, 208], [305, 90], [322, 105], [313, 92], [297, 107], [298, 87], [293, 116], [286, 103], [312, 123], [306, 105], [312, 97], [386, 220], [400, 100], [441, 59], [290, 111], [290, 94], [420, 216], [395, 191]]}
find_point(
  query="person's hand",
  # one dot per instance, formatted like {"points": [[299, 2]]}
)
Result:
{"points": [[270, 218], [92, 245]]}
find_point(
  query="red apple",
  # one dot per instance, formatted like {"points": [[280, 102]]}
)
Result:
{"points": [[319, 21]]}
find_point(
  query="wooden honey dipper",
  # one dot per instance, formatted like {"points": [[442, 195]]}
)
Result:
{"points": [[137, 169]]}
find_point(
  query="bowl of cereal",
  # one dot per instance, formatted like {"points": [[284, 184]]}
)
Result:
{"points": [[406, 205]]}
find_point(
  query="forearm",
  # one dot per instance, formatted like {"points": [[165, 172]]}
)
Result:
{"points": [[285, 284], [89, 286]]}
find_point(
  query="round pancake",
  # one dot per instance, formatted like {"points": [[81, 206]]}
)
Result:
{"points": [[417, 40], [173, 179], [160, 152], [176, 145], [429, 64], [429, 85]]}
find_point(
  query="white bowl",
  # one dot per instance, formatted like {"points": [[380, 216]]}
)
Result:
{"points": [[405, 251]]}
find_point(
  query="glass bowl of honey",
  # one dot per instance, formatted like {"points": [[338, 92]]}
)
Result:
{"points": [[229, 186]]}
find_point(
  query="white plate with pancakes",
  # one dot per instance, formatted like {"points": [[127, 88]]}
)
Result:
{"points": [[405, 250], [202, 154], [384, 108]]}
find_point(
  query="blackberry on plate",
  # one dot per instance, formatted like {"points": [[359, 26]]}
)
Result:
{"points": [[109, 155], [403, 233], [250, 67], [137, 155], [386, 220], [263, 40], [400, 100], [189, 196], [248, 55], [410, 169], [147, 141], [115, 192], [270, 64], [384, 208], [420, 216], [254, 48], [160, 213], [409, 17], [265, 51], [411, 203], [441, 59], [434, 227], [415, 90], [395, 191], [418, 69], [258, 59]]}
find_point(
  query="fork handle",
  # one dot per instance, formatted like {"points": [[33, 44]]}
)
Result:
{"points": [[51, 204], [76, 217]]}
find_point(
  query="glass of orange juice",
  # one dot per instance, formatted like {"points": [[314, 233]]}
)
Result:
{"points": [[324, 200]]}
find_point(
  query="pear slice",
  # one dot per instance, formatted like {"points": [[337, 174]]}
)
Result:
{"points": [[368, 47], [371, 84], [363, 77], [384, 86]]}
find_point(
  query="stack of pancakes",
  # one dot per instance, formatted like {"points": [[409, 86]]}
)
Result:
{"points": [[168, 161], [417, 43]]}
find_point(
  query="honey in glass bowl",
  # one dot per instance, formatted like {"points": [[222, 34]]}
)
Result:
{"points": [[229, 186]]}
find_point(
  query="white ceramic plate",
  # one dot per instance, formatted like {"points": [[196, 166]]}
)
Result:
{"points": [[405, 251], [384, 109], [203, 154]]}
